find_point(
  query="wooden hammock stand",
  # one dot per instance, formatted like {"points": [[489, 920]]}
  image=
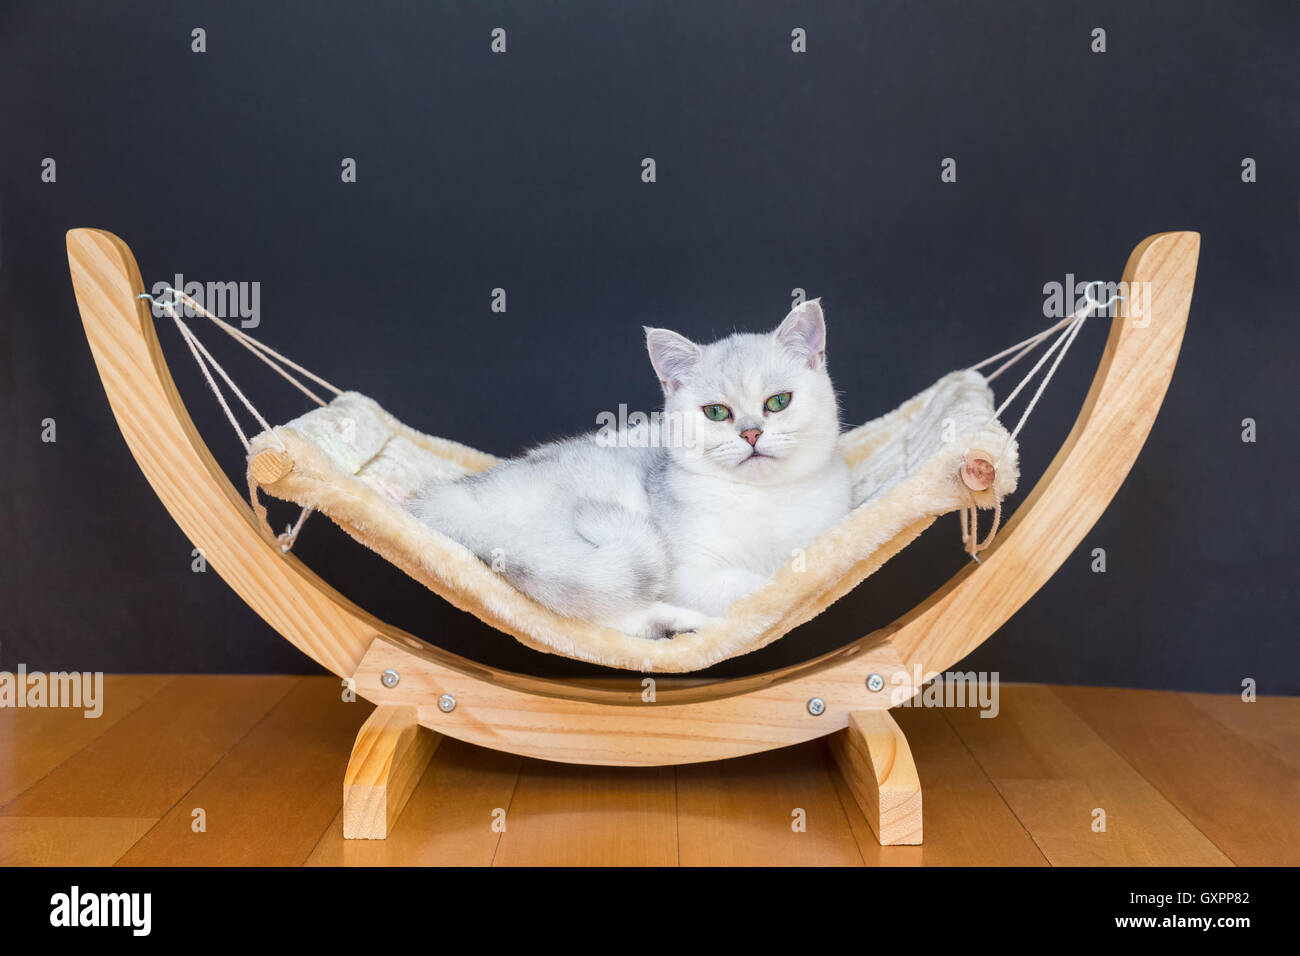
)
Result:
{"points": [[422, 692]]}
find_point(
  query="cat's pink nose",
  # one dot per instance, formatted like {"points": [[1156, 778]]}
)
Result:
{"points": [[751, 435]]}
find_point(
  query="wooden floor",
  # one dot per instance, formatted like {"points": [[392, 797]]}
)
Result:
{"points": [[248, 770]]}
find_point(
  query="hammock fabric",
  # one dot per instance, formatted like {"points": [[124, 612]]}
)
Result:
{"points": [[360, 466]]}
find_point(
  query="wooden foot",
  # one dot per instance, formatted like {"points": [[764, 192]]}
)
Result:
{"points": [[877, 765], [388, 759]]}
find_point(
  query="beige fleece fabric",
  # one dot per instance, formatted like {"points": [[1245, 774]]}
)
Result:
{"points": [[360, 466]]}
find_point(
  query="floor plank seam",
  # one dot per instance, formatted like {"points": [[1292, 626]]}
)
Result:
{"points": [[828, 761], [677, 817], [1181, 800], [496, 848], [1150, 783], [324, 834], [1263, 745], [996, 789], [216, 763], [90, 743]]}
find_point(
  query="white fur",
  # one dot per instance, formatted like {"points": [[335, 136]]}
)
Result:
{"points": [[657, 540]]}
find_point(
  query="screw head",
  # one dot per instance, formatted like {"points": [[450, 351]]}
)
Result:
{"points": [[389, 678], [816, 706], [875, 683], [446, 703]]}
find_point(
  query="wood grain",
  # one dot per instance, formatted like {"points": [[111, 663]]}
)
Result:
{"points": [[876, 762], [388, 759], [447, 822], [565, 815], [35, 741], [1270, 723], [1055, 772], [68, 841], [684, 726], [1246, 800], [967, 823], [269, 799], [742, 812], [144, 763], [274, 798]]}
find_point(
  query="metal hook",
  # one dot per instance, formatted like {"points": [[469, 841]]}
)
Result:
{"points": [[1093, 303], [168, 305]]}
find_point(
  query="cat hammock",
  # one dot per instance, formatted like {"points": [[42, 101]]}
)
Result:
{"points": [[356, 463], [943, 450]]}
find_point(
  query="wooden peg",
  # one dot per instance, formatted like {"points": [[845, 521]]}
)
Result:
{"points": [[977, 471], [269, 466]]}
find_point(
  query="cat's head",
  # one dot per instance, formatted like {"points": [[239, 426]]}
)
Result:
{"points": [[758, 409]]}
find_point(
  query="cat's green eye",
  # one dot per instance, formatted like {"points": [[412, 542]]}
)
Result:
{"points": [[777, 402], [717, 413]]}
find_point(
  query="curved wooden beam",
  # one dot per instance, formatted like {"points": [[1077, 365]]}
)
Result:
{"points": [[633, 722], [166, 445], [1117, 415]]}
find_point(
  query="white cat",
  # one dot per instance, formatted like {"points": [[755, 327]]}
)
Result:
{"points": [[656, 529]]}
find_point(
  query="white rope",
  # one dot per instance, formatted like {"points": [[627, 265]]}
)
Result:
{"points": [[204, 359], [290, 536], [1028, 344], [263, 351], [1037, 340], [200, 355], [1029, 376], [1069, 337], [1069, 328], [969, 515]]}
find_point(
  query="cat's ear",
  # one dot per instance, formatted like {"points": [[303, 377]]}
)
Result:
{"points": [[803, 332], [672, 355]]}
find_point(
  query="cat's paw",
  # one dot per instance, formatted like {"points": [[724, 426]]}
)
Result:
{"points": [[681, 620], [664, 621]]}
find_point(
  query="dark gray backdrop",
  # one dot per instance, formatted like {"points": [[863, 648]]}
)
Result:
{"points": [[775, 171]]}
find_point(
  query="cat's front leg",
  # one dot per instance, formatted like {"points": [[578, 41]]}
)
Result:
{"points": [[712, 590]]}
